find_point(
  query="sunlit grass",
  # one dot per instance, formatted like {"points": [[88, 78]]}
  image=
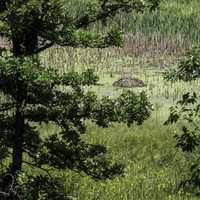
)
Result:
{"points": [[154, 167], [153, 42]]}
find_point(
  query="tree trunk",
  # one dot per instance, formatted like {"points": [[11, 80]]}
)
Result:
{"points": [[30, 42], [19, 116], [19, 134], [22, 46]]}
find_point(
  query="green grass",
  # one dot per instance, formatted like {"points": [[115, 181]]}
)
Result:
{"points": [[173, 18], [154, 167], [171, 29]]}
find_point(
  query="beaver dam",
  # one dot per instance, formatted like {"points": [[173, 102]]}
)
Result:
{"points": [[129, 82]]}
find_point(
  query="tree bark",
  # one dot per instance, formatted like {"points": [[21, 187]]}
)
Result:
{"points": [[19, 116], [18, 137], [30, 42], [22, 46]]}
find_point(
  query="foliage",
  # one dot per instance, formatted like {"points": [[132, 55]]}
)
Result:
{"points": [[56, 25], [33, 94], [7, 188], [188, 68], [41, 187], [187, 111], [44, 102]]}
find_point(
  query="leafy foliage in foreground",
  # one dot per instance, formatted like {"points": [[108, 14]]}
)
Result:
{"points": [[188, 68], [33, 94], [56, 24], [187, 113], [42, 187], [67, 109]]}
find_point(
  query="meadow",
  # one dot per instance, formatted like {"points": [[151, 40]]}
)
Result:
{"points": [[153, 42]]}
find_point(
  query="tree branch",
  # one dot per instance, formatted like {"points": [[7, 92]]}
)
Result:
{"points": [[43, 47]]}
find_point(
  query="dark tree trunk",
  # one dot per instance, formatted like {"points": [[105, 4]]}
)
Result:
{"points": [[19, 132], [24, 43], [22, 46], [30, 42], [19, 116]]}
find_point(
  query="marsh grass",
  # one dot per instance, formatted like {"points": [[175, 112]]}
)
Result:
{"points": [[153, 42], [154, 167]]}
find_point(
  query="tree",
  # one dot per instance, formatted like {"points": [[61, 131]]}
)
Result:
{"points": [[186, 112], [32, 96]]}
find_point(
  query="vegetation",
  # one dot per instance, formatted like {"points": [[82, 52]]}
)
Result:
{"points": [[32, 96], [154, 168], [187, 111]]}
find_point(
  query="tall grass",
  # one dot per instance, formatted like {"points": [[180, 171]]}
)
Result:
{"points": [[154, 167], [153, 42], [172, 28]]}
